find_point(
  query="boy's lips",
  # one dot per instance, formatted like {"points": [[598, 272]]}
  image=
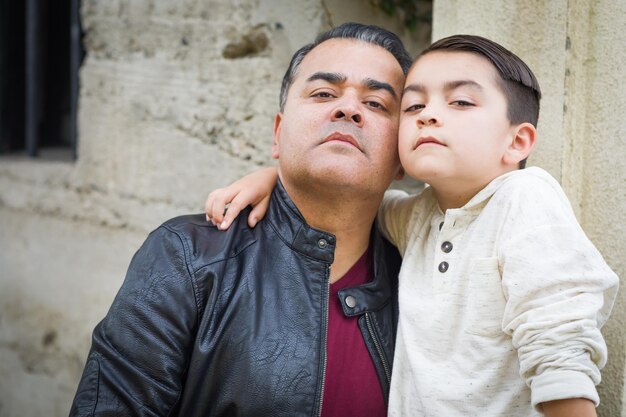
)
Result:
{"points": [[423, 140], [343, 137]]}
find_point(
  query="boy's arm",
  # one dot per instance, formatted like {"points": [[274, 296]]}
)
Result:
{"points": [[559, 293], [394, 216], [572, 407], [224, 204]]}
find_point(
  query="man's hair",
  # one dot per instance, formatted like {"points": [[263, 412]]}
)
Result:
{"points": [[366, 33], [517, 81]]}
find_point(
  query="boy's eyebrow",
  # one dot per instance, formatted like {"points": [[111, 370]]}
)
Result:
{"points": [[338, 78], [453, 85], [448, 86]]}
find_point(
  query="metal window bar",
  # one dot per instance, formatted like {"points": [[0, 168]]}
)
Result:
{"points": [[75, 60], [31, 110], [37, 89]]}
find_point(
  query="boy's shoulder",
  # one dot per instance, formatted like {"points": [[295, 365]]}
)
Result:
{"points": [[534, 194], [533, 182]]}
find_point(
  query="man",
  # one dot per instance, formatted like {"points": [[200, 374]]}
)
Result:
{"points": [[297, 316]]}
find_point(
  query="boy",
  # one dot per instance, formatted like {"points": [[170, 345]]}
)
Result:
{"points": [[498, 280]]}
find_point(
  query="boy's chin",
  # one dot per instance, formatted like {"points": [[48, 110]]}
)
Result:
{"points": [[423, 170]]}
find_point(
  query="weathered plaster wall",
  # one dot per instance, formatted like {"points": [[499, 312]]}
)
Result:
{"points": [[177, 97], [576, 49]]}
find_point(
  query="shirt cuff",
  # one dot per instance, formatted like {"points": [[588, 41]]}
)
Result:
{"points": [[562, 385]]}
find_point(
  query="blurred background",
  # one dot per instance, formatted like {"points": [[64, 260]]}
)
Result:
{"points": [[117, 115]]}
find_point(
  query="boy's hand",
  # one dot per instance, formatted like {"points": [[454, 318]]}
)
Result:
{"points": [[224, 204], [572, 407]]}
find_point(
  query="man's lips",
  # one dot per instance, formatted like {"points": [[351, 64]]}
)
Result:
{"points": [[425, 140], [342, 137]]}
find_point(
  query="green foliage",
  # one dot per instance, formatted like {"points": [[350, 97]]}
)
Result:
{"points": [[411, 12]]}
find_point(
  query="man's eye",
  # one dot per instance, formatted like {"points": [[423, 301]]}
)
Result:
{"points": [[323, 94], [375, 105], [414, 107]]}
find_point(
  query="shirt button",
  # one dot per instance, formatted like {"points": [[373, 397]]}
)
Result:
{"points": [[443, 267], [322, 243], [350, 301], [446, 247], [440, 225]]}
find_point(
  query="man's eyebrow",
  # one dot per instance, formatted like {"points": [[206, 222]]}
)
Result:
{"points": [[372, 84], [338, 78], [331, 77], [448, 86]]}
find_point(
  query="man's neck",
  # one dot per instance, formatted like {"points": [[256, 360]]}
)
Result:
{"points": [[348, 217]]}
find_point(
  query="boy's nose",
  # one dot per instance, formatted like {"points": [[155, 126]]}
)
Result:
{"points": [[426, 121]]}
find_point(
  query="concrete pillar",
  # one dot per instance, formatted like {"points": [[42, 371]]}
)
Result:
{"points": [[576, 50]]}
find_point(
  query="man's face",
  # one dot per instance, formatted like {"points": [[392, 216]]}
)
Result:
{"points": [[339, 127], [454, 128]]}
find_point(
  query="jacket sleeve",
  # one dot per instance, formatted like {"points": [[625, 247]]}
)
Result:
{"points": [[140, 350], [559, 293]]}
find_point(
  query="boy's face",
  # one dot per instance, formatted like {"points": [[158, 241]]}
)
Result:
{"points": [[454, 128]]}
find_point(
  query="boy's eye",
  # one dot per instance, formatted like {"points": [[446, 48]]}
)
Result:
{"points": [[462, 103], [414, 107]]}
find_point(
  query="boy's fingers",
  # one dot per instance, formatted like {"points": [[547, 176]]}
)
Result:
{"points": [[258, 211], [210, 205], [220, 200], [233, 211]]}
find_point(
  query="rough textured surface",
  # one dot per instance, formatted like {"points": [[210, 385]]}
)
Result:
{"points": [[177, 98], [576, 51]]}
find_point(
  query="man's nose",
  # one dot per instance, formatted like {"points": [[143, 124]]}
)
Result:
{"points": [[348, 111]]}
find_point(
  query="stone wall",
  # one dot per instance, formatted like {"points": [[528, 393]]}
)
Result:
{"points": [[176, 98]]}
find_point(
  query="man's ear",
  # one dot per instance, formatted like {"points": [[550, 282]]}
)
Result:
{"points": [[522, 143], [275, 149]]}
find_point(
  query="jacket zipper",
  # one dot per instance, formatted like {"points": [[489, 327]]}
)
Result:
{"points": [[325, 331], [378, 347]]}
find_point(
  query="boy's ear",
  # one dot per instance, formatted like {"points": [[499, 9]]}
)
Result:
{"points": [[277, 121], [522, 143]]}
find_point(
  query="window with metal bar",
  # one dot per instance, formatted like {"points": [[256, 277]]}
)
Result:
{"points": [[40, 55]]}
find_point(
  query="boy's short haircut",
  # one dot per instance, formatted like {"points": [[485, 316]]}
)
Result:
{"points": [[517, 81]]}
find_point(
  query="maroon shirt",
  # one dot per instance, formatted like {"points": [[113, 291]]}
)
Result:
{"points": [[351, 387]]}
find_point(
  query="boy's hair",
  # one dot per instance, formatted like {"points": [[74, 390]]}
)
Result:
{"points": [[366, 33], [517, 81]]}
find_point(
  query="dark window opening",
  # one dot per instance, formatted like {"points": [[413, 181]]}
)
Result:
{"points": [[40, 54]]}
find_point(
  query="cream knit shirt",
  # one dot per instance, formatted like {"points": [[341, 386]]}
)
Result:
{"points": [[501, 301]]}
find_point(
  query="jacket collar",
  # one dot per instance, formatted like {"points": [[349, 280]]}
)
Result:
{"points": [[376, 294], [288, 222], [285, 218]]}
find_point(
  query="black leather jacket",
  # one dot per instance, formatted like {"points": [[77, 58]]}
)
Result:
{"points": [[211, 323]]}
